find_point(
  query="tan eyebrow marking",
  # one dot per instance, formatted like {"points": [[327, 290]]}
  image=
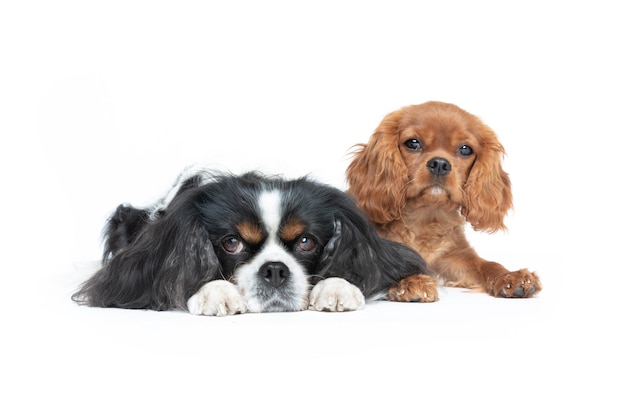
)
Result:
{"points": [[250, 232], [292, 229]]}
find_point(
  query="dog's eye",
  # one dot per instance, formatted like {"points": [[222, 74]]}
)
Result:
{"points": [[465, 150], [413, 144], [305, 244], [232, 245]]}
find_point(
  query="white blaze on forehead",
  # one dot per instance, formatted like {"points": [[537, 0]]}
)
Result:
{"points": [[269, 204]]}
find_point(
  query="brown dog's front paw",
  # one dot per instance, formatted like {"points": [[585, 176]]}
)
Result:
{"points": [[518, 284], [419, 288]]}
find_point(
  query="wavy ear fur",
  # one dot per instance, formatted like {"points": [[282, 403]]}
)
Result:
{"points": [[122, 228], [166, 264], [381, 172], [357, 254], [488, 195]]}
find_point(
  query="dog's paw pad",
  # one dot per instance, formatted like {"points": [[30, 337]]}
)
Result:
{"points": [[335, 294], [217, 298]]}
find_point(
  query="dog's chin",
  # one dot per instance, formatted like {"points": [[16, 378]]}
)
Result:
{"points": [[434, 193], [437, 191], [277, 300]]}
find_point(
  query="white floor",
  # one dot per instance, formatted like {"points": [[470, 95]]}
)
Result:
{"points": [[467, 351]]}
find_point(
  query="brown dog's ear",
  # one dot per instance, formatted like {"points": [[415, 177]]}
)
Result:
{"points": [[377, 176], [488, 194]]}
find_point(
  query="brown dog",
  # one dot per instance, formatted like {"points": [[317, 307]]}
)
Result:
{"points": [[426, 171]]}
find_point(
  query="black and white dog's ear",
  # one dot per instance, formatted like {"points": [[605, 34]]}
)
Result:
{"points": [[169, 260], [356, 253]]}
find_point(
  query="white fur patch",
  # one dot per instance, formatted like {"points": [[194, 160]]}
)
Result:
{"points": [[191, 171], [336, 294], [217, 298], [271, 212], [436, 190]]}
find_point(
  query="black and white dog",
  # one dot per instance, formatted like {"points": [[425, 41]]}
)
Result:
{"points": [[221, 244]]}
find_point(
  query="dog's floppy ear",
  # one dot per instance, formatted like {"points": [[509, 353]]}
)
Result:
{"points": [[166, 263], [488, 194], [356, 253], [377, 176]]}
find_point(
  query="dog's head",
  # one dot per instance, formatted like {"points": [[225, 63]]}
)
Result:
{"points": [[432, 154], [272, 238], [268, 236]]}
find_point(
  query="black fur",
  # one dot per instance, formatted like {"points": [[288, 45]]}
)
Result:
{"points": [[122, 228]]}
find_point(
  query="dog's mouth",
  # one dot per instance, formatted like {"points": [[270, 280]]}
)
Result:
{"points": [[286, 298], [436, 190], [437, 194]]}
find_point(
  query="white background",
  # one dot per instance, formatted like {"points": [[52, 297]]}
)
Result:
{"points": [[105, 102]]}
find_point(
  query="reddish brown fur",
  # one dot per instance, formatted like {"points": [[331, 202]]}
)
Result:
{"points": [[292, 230], [420, 288], [250, 232], [409, 204]]}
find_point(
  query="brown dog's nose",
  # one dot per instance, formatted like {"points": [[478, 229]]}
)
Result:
{"points": [[439, 167]]}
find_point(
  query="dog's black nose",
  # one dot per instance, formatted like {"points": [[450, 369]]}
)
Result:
{"points": [[439, 167], [274, 273]]}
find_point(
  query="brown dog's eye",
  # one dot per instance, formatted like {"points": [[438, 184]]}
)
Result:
{"points": [[413, 144], [305, 244], [465, 150], [232, 245]]}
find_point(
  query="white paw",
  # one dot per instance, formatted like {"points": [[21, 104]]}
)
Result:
{"points": [[217, 298], [335, 294]]}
